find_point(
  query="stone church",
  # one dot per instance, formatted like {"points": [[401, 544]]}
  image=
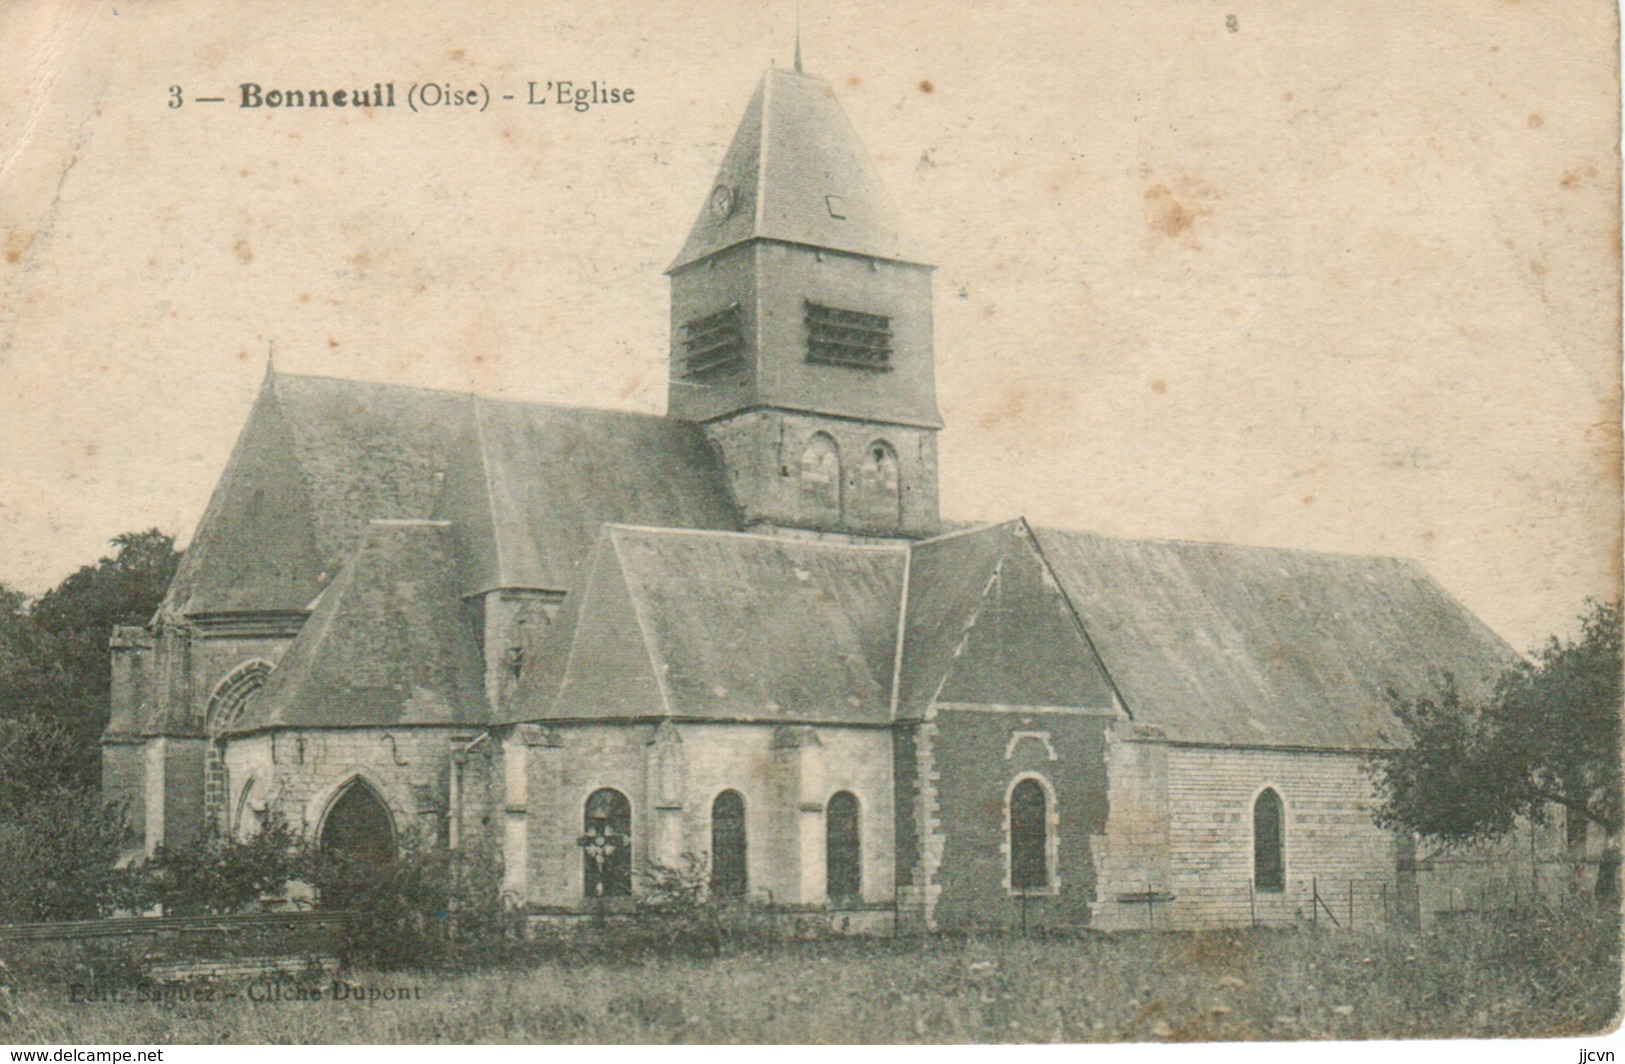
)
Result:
{"points": [[587, 641]]}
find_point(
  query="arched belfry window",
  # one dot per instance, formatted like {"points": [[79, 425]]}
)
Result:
{"points": [[1269, 852], [843, 848], [1030, 837], [821, 478], [729, 874], [880, 498], [358, 826], [606, 844]]}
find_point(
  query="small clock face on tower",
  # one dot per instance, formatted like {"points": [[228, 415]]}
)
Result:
{"points": [[722, 202]]}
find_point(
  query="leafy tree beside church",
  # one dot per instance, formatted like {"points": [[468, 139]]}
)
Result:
{"points": [[1548, 737]]}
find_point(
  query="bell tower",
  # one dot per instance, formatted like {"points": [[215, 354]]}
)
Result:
{"points": [[801, 327]]}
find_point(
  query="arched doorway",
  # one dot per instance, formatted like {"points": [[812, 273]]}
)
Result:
{"points": [[358, 827]]}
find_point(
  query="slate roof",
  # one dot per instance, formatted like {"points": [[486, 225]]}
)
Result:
{"points": [[328, 494], [532, 486], [528, 485], [798, 174], [769, 628], [389, 644], [1255, 646], [988, 625], [724, 626]]}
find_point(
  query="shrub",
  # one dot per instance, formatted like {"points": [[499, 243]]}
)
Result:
{"points": [[217, 875], [677, 912], [427, 908], [58, 858]]}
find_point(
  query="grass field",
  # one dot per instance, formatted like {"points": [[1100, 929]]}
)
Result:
{"points": [[1531, 977]]}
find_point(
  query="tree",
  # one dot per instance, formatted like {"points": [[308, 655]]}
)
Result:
{"points": [[59, 858], [1548, 736], [54, 659]]}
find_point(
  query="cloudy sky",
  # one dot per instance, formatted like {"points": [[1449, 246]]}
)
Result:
{"points": [[1333, 276]]}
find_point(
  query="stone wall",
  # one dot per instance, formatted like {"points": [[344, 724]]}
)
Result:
{"points": [[297, 774], [671, 774], [1131, 854], [763, 449], [1331, 845], [977, 756]]}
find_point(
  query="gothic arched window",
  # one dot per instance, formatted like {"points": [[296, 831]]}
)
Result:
{"points": [[843, 848], [1029, 836], [821, 478], [1269, 852], [606, 844], [729, 875], [226, 705]]}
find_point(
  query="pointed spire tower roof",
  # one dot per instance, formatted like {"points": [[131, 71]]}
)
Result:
{"points": [[796, 172]]}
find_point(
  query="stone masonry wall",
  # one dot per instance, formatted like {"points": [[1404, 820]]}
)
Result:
{"points": [[671, 774], [979, 756], [1330, 840], [298, 774]]}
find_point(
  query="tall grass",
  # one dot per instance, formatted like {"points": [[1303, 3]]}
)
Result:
{"points": [[1530, 975]]}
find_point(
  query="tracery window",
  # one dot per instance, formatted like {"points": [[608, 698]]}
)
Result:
{"points": [[606, 844]]}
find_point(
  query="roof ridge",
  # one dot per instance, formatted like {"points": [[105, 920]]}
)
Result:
{"points": [[974, 529], [471, 396], [483, 456], [646, 634], [1261, 548], [619, 526]]}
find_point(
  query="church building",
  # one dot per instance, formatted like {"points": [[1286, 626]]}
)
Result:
{"points": [[587, 642]]}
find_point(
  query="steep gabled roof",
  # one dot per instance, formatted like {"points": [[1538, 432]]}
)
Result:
{"points": [[255, 547], [987, 624], [1263, 647], [533, 485], [389, 643], [316, 461], [796, 172], [528, 486], [724, 626]]}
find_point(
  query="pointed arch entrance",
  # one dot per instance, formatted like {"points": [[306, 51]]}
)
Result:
{"points": [[358, 826]]}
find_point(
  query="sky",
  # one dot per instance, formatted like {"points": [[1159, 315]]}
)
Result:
{"points": [[1340, 277]]}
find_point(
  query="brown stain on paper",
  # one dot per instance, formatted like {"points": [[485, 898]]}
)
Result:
{"points": [[17, 244]]}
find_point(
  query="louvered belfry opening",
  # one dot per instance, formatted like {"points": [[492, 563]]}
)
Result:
{"points": [[714, 342], [852, 338]]}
